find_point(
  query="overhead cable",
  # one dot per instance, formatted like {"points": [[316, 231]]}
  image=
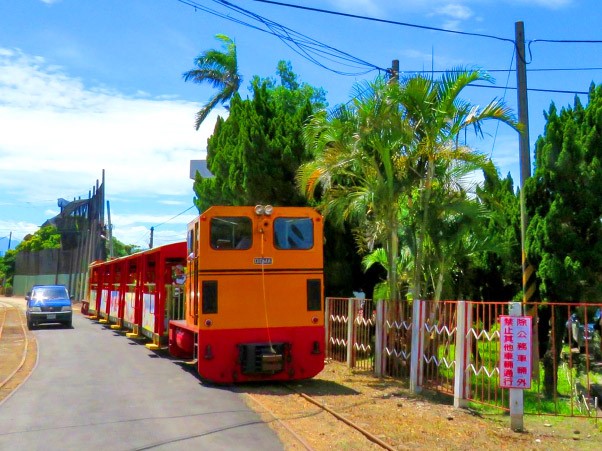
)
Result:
{"points": [[387, 21]]}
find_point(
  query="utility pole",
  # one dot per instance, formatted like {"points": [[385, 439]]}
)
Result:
{"points": [[394, 71], [525, 161], [150, 244], [10, 237], [516, 395]]}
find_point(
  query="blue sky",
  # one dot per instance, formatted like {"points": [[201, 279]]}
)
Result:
{"points": [[87, 86]]}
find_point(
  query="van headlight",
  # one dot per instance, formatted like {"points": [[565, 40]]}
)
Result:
{"points": [[35, 309], [66, 308]]}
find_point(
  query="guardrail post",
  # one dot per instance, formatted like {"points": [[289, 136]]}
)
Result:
{"points": [[461, 375], [416, 360]]}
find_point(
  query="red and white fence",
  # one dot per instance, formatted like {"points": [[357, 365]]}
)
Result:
{"points": [[453, 347]]}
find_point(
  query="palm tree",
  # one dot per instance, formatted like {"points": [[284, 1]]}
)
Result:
{"points": [[438, 115], [220, 69], [360, 167], [377, 159]]}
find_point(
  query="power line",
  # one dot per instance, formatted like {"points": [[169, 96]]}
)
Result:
{"points": [[541, 69], [566, 41], [171, 219], [311, 49], [306, 47], [555, 91], [387, 21], [497, 127]]}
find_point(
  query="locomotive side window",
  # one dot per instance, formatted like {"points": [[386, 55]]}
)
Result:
{"points": [[293, 233], [234, 232]]}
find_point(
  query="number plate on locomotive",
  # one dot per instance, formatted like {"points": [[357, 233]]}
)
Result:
{"points": [[262, 261]]}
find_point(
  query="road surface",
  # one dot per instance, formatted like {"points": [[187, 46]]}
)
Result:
{"points": [[94, 389]]}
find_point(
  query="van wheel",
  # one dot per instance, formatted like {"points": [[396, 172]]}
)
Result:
{"points": [[30, 325]]}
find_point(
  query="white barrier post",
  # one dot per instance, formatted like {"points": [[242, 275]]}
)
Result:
{"points": [[416, 354], [326, 327], [350, 326], [461, 360], [379, 341]]}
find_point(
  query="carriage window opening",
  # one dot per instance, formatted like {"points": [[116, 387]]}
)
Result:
{"points": [[189, 241], [293, 233], [235, 232]]}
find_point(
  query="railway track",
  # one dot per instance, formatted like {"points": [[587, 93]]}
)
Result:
{"points": [[288, 408], [18, 351]]}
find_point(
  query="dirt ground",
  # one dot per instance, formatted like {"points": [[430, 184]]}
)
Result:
{"points": [[384, 409], [401, 420]]}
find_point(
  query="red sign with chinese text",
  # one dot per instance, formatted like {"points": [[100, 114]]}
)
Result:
{"points": [[515, 351]]}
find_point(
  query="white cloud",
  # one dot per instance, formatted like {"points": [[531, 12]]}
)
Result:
{"points": [[58, 135], [61, 134], [455, 11], [16, 230]]}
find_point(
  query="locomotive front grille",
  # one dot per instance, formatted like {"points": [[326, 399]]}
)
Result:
{"points": [[262, 358]]}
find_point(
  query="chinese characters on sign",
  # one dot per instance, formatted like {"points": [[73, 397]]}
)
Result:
{"points": [[515, 351]]}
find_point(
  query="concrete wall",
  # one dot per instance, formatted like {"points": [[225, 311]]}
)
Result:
{"points": [[22, 284]]}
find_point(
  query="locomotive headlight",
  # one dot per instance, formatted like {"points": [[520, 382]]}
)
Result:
{"points": [[261, 210]]}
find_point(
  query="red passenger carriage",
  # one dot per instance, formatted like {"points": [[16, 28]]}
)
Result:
{"points": [[140, 292]]}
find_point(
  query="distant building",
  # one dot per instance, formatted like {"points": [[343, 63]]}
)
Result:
{"points": [[201, 167]]}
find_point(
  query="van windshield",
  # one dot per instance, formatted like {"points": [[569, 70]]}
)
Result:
{"points": [[50, 293]]}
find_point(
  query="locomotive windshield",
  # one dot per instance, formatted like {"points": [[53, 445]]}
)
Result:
{"points": [[234, 232], [293, 233]]}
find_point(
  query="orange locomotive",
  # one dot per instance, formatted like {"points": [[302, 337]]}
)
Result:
{"points": [[254, 295]]}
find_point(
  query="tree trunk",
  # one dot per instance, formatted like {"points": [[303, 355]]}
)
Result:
{"points": [[425, 199], [551, 359], [393, 253]]}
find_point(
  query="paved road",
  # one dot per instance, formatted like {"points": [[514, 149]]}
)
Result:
{"points": [[94, 389]]}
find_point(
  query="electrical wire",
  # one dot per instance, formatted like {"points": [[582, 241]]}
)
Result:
{"points": [[429, 28], [171, 219], [314, 50], [305, 44], [387, 21], [497, 127], [308, 48], [556, 91]]}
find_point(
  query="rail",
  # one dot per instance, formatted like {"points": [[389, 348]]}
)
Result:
{"points": [[15, 348]]}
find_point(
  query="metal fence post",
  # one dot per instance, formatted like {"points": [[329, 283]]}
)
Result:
{"points": [[379, 342], [416, 353], [461, 360]]}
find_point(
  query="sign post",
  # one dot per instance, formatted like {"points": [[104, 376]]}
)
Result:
{"points": [[515, 360]]}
